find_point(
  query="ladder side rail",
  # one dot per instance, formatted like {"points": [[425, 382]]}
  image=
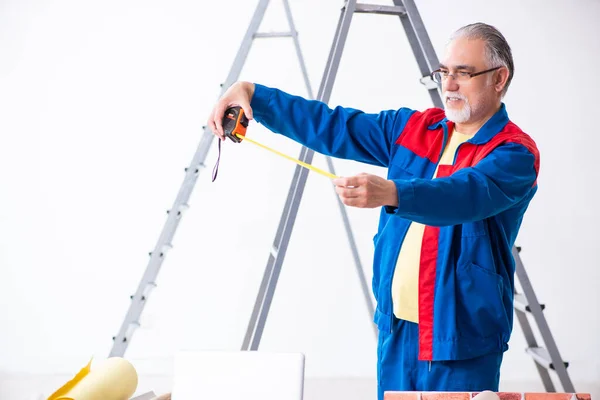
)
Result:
{"points": [[532, 343], [536, 310], [286, 223], [138, 300], [422, 48]]}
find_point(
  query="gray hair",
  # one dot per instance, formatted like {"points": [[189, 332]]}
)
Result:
{"points": [[498, 51]]}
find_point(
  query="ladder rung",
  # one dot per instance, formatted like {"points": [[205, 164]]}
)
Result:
{"points": [[376, 9], [272, 34], [148, 289], [428, 83], [165, 248], [197, 169], [521, 303], [541, 356], [132, 327], [182, 208]]}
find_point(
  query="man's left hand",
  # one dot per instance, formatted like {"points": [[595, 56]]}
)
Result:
{"points": [[366, 191]]}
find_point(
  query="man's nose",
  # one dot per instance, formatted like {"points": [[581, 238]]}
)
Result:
{"points": [[450, 84]]}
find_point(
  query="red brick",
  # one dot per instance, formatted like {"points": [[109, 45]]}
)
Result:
{"points": [[510, 395], [548, 396], [401, 396], [445, 395]]}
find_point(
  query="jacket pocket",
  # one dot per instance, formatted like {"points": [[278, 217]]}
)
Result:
{"points": [[406, 165], [480, 309], [399, 171]]}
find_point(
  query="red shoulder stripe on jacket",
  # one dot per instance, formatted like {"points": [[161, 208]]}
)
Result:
{"points": [[510, 134], [418, 139]]}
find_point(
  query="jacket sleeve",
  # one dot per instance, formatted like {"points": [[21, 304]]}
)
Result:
{"points": [[503, 178], [339, 132]]}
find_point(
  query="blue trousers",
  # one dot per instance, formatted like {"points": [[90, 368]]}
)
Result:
{"points": [[398, 367]]}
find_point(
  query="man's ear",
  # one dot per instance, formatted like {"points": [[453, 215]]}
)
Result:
{"points": [[500, 79]]}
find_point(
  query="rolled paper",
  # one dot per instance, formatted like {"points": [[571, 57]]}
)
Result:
{"points": [[112, 379]]}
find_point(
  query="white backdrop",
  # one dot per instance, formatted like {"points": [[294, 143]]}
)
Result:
{"points": [[101, 108]]}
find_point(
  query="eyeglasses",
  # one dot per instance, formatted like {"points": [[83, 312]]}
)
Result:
{"points": [[441, 75]]}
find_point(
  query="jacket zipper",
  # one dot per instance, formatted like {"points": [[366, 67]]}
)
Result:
{"points": [[444, 142]]}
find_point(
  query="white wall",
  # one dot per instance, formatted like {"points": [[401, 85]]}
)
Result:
{"points": [[101, 108]]}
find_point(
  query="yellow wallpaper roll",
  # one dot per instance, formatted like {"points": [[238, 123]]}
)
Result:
{"points": [[112, 379]]}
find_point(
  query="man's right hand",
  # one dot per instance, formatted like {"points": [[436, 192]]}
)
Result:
{"points": [[238, 94]]}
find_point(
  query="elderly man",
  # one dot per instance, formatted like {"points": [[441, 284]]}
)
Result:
{"points": [[459, 181]]}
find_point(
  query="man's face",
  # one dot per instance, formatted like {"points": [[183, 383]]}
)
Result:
{"points": [[467, 99]]}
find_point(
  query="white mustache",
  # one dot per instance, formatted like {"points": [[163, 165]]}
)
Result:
{"points": [[455, 95]]}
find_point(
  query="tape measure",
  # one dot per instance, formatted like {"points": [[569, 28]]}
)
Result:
{"points": [[235, 124]]}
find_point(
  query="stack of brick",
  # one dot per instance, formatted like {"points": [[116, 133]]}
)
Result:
{"points": [[471, 395]]}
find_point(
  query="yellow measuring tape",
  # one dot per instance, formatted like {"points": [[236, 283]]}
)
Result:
{"points": [[301, 163]]}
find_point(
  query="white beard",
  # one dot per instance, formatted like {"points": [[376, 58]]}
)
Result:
{"points": [[461, 115]]}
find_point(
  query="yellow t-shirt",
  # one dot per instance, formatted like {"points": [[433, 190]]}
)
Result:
{"points": [[405, 283]]}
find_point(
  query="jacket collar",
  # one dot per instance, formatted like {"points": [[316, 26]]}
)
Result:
{"points": [[492, 126]]}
